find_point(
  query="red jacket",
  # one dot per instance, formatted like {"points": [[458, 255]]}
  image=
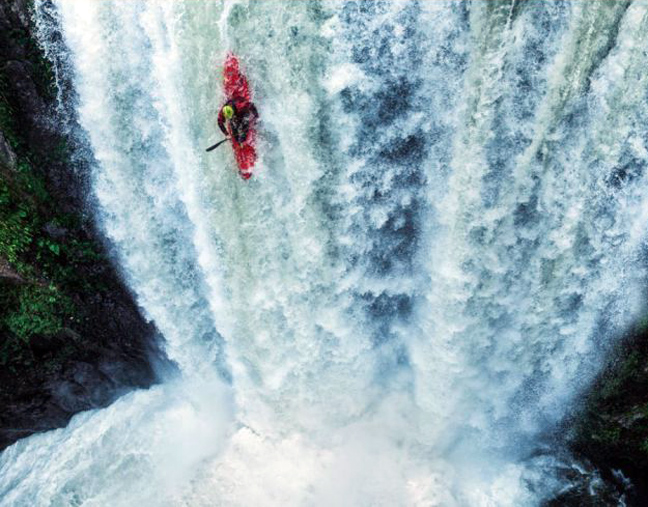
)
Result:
{"points": [[244, 113]]}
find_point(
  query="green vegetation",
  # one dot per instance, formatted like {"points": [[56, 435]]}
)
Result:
{"points": [[36, 306], [47, 250], [37, 310], [50, 265]]}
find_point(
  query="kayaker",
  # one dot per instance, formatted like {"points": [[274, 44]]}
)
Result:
{"points": [[235, 117]]}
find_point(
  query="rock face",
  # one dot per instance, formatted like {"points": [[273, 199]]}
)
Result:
{"points": [[16, 63], [7, 155], [611, 428], [104, 347], [8, 275]]}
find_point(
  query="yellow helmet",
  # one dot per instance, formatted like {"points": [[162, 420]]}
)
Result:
{"points": [[228, 112]]}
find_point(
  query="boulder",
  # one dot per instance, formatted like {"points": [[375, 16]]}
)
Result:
{"points": [[7, 156], [8, 275]]}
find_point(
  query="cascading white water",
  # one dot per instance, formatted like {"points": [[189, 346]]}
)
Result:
{"points": [[441, 240]]}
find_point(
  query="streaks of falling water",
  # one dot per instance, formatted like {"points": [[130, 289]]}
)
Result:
{"points": [[442, 236]]}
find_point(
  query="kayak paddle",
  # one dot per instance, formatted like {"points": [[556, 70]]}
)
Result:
{"points": [[217, 144]]}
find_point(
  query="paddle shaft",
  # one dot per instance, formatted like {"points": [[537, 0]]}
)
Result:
{"points": [[217, 144]]}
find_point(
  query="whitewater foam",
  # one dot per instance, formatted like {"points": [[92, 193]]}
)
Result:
{"points": [[442, 238]]}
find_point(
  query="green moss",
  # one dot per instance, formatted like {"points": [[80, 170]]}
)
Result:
{"points": [[56, 270], [39, 310], [15, 227], [35, 307], [51, 268]]}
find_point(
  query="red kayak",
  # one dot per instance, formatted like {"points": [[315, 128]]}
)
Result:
{"points": [[237, 89]]}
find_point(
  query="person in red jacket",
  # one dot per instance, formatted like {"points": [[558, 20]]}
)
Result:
{"points": [[235, 117], [234, 120]]}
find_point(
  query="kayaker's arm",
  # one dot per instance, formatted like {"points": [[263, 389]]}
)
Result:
{"points": [[221, 122]]}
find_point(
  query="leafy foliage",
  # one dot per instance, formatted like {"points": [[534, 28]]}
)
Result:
{"points": [[51, 266], [15, 229], [38, 310]]}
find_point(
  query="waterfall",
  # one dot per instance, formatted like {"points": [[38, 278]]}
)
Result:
{"points": [[443, 237]]}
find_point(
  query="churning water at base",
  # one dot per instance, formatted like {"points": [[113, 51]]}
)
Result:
{"points": [[443, 237]]}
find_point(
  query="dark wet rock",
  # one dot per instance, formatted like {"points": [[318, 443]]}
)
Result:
{"points": [[121, 373], [7, 156], [611, 427], [107, 348], [23, 89], [584, 486], [70, 397], [19, 12], [54, 231], [8, 275], [42, 345], [84, 387]]}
